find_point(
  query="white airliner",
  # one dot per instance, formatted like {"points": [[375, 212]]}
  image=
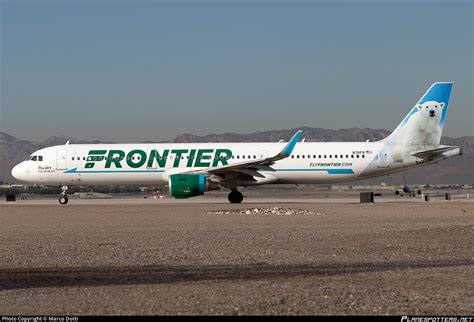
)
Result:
{"points": [[190, 169]]}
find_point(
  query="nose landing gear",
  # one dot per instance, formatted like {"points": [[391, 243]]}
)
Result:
{"points": [[235, 196], [63, 198]]}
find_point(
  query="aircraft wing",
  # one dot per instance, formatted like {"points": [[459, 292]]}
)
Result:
{"points": [[433, 153], [250, 168]]}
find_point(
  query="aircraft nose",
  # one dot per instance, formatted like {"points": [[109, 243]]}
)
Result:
{"points": [[18, 172]]}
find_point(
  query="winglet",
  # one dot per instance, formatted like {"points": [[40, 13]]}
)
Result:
{"points": [[291, 144]]}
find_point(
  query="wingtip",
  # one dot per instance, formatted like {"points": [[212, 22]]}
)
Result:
{"points": [[296, 136], [291, 144]]}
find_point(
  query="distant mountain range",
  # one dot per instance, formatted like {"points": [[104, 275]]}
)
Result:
{"points": [[456, 170]]}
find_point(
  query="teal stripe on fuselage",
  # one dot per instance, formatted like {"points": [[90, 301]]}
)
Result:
{"points": [[329, 171], [110, 171]]}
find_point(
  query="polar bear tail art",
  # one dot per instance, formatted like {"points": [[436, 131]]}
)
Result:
{"points": [[423, 126]]}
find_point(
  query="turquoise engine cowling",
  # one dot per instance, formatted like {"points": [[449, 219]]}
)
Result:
{"points": [[187, 185]]}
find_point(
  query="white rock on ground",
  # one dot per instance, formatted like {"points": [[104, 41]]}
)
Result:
{"points": [[267, 211]]}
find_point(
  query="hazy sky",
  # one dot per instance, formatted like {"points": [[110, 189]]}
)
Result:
{"points": [[149, 70]]}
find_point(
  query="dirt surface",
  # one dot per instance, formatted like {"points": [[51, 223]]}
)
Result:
{"points": [[404, 259]]}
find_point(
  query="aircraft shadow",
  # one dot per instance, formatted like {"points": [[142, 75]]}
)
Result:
{"points": [[166, 274]]}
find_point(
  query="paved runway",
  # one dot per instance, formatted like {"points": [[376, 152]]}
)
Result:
{"points": [[221, 199], [131, 257]]}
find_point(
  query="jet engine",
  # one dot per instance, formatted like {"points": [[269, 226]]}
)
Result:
{"points": [[190, 185]]}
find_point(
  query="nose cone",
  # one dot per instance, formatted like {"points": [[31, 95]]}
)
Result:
{"points": [[18, 172]]}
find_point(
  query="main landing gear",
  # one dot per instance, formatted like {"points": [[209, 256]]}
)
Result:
{"points": [[63, 198], [235, 196]]}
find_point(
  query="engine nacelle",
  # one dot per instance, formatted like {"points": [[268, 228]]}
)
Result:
{"points": [[189, 185]]}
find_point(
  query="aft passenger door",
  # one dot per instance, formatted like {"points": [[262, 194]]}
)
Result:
{"points": [[61, 159], [383, 157]]}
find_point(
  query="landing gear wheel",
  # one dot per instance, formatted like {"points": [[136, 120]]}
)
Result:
{"points": [[63, 198], [235, 197]]}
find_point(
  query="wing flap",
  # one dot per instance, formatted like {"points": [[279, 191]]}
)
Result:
{"points": [[249, 172]]}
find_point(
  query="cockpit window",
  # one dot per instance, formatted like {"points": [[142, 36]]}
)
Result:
{"points": [[40, 158], [34, 158]]}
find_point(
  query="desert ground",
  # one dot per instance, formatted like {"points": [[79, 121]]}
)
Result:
{"points": [[149, 257]]}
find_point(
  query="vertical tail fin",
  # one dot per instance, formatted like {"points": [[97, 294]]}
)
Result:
{"points": [[426, 119], [421, 129]]}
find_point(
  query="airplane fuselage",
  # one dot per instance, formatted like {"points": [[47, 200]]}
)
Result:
{"points": [[151, 164]]}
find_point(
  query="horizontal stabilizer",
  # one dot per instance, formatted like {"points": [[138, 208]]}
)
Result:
{"points": [[433, 153]]}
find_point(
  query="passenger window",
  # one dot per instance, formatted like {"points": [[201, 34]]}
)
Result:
{"points": [[72, 158], [319, 156], [335, 156], [302, 156], [325, 156], [292, 156], [342, 156], [357, 156], [347, 156], [363, 155], [330, 156], [298, 156]]}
